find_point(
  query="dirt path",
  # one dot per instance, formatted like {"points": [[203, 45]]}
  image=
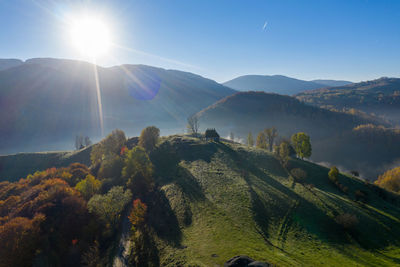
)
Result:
{"points": [[121, 257]]}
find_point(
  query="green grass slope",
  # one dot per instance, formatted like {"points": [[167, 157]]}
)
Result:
{"points": [[14, 167], [228, 200]]}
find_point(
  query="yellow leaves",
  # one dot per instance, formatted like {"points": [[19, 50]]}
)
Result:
{"points": [[390, 180]]}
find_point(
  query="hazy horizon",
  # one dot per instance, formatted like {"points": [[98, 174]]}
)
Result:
{"points": [[219, 40]]}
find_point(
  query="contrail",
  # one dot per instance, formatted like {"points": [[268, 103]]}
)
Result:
{"points": [[265, 25]]}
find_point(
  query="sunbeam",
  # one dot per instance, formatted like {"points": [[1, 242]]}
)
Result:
{"points": [[98, 93]]}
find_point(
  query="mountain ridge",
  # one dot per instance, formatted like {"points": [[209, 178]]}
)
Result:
{"points": [[276, 84]]}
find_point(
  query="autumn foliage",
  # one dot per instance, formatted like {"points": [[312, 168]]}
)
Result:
{"points": [[390, 180], [41, 216], [138, 213]]}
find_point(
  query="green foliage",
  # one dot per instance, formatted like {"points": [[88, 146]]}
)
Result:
{"points": [[283, 152], [271, 134], [111, 167], [149, 138], [108, 147], [92, 257], [110, 206], [138, 171], [250, 140], [333, 174], [302, 145], [88, 187], [261, 140]]}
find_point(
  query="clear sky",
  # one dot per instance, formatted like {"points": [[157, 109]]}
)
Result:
{"points": [[220, 39]]}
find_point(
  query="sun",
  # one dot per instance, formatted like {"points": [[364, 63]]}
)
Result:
{"points": [[90, 36]]}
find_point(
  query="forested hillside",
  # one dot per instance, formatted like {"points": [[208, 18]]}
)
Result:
{"points": [[332, 133], [380, 97]]}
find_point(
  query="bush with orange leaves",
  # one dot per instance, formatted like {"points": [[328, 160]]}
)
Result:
{"points": [[390, 180], [138, 214]]}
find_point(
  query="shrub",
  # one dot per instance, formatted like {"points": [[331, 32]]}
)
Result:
{"points": [[298, 174], [361, 195], [137, 215], [110, 206], [88, 187], [333, 174], [347, 221]]}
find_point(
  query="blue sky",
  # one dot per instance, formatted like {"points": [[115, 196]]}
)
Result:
{"points": [[220, 39]]}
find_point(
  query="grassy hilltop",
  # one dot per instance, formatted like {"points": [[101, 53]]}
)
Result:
{"points": [[230, 200], [217, 200]]}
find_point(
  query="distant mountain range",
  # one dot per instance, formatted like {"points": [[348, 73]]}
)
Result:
{"points": [[278, 84], [44, 103], [380, 97], [9, 63]]}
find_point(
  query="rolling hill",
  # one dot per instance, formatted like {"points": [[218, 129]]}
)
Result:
{"points": [[331, 83], [219, 200], [247, 112], [9, 63], [45, 103], [380, 97], [277, 84], [231, 200]]}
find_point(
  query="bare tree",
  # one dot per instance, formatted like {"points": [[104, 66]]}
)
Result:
{"points": [[88, 142], [193, 125], [271, 134]]}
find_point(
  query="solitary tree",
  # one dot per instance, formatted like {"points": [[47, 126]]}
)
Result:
{"points": [[87, 142], [149, 137], [283, 152], [302, 145], [261, 141], [193, 125], [271, 134], [333, 174], [250, 140]]}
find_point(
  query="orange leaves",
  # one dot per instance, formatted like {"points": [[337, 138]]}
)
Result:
{"points": [[138, 213]]}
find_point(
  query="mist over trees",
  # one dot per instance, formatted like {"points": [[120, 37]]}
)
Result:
{"points": [[82, 141]]}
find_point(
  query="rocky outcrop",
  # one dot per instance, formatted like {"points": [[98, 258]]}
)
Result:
{"points": [[244, 261]]}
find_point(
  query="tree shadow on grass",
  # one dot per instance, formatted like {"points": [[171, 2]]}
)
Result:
{"points": [[314, 220], [163, 220]]}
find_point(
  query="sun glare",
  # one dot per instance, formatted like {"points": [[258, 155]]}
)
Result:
{"points": [[90, 36]]}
